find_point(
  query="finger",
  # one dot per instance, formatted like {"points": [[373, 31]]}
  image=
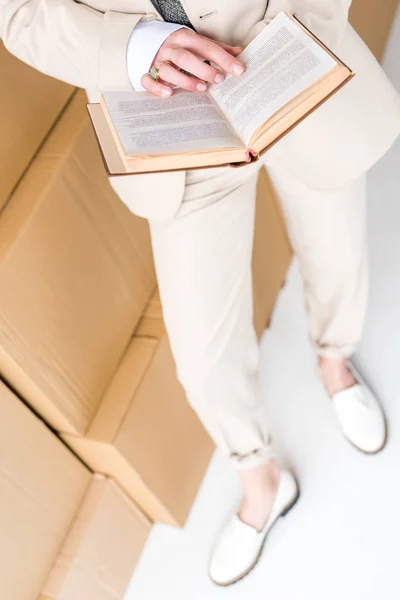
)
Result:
{"points": [[155, 87], [172, 75], [215, 53], [182, 36], [191, 63], [234, 50]]}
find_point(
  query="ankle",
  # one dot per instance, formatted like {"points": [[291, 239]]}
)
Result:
{"points": [[260, 481], [335, 374], [260, 486]]}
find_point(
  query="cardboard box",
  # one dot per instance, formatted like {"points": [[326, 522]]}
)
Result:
{"points": [[373, 20], [76, 272], [30, 102], [272, 252], [145, 435], [41, 486], [102, 547]]}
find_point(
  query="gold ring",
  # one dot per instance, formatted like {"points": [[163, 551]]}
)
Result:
{"points": [[155, 72]]}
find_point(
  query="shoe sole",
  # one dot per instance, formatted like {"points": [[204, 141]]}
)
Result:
{"points": [[284, 512]]}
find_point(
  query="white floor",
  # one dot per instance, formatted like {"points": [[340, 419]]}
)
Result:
{"points": [[342, 539]]}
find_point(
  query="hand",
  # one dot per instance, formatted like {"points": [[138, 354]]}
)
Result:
{"points": [[188, 50]]}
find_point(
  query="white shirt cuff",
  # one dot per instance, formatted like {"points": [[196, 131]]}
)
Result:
{"points": [[143, 45]]}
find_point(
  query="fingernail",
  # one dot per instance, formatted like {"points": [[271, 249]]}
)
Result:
{"points": [[219, 78], [238, 69], [166, 91], [201, 87]]}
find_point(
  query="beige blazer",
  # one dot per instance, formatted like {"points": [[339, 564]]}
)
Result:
{"points": [[85, 44]]}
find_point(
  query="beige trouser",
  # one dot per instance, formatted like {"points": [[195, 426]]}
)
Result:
{"points": [[203, 263]]}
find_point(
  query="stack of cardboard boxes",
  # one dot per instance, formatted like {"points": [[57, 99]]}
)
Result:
{"points": [[98, 440], [65, 532]]}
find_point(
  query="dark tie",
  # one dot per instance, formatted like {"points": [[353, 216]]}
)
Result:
{"points": [[172, 11]]}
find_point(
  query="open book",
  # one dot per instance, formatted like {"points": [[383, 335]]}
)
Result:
{"points": [[288, 74]]}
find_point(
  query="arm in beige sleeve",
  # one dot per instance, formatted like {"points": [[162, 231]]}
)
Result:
{"points": [[327, 19], [69, 40]]}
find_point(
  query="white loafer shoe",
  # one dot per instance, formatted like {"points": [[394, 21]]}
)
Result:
{"points": [[361, 417], [239, 545]]}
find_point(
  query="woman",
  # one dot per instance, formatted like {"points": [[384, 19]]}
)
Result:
{"points": [[202, 222]]}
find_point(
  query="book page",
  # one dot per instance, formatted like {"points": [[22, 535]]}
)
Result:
{"points": [[281, 62], [184, 122]]}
